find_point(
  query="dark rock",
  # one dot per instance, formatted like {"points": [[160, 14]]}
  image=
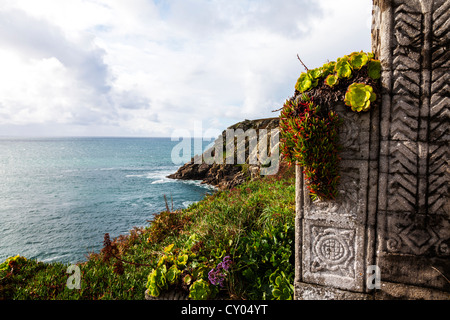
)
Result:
{"points": [[225, 176]]}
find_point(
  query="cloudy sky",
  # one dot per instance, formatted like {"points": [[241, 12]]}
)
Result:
{"points": [[148, 67]]}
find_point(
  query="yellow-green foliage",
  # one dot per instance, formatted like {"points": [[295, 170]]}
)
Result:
{"points": [[358, 60], [374, 69], [359, 96], [332, 80], [343, 68], [308, 128]]}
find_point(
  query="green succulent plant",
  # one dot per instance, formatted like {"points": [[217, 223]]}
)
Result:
{"points": [[308, 136], [282, 288], [315, 73], [359, 96], [187, 280], [182, 260], [331, 80], [306, 81], [343, 67], [157, 280], [358, 59], [374, 69], [200, 290], [172, 274], [328, 68]]}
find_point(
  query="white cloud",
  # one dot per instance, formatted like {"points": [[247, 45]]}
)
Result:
{"points": [[148, 67]]}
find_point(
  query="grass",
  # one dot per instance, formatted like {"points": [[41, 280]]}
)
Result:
{"points": [[252, 223]]}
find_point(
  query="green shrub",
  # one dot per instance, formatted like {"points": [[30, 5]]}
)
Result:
{"points": [[262, 257]]}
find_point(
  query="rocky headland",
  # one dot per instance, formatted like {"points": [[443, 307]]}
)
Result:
{"points": [[224, 175]]}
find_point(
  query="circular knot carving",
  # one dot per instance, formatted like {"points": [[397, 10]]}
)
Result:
{"points": [[332, 249]]}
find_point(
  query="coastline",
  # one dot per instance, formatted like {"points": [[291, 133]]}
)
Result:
{"points": [[218, 225], [224, 175]]}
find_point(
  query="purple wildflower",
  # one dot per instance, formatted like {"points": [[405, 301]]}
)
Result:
{"points": [[217, 275]]}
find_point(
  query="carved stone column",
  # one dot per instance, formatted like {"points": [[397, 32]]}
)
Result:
{"points": [[393, 208], [338, 236], [413, 216]]}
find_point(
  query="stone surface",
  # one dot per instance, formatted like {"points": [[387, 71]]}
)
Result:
{"points": [[413, 218], [398, 291], [393, 208], [333, 255], [335, 235], [168, 295], [316, 292]]}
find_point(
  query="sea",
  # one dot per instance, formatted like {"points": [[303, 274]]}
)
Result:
{"points": [[59, 196]]}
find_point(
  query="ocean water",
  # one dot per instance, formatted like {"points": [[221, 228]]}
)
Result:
{"points": [[59, 196]]}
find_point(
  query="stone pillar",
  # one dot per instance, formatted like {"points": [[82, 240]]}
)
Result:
{"points": [[413, 216], [337, 237], [392, 211]]}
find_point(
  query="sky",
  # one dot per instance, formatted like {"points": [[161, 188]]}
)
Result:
{"points": [[148, 68]]}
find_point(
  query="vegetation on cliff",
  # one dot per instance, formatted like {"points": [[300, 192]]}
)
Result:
{"points": [[251, 224]]}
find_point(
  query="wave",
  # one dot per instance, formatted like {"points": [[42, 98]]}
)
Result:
{"points": [[199, 183], [135, 175], [55, 258], [186, 204], [163, 181], [157, 176]]}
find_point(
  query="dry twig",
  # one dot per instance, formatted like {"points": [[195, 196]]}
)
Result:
{"points": [[304, 66], [441, 274]]}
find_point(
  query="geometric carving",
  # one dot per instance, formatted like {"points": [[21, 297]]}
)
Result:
{"points": [[418, 240], [353, 134], [333, 251], [415, 220], [438, 177], [403, 157], [417, 162], [405, 117], [408, 233], [440, 114], [440, 64], [414, 207], [402, 192], [440, 37], [350, 138]]}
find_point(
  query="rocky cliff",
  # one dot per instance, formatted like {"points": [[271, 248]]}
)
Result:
{"points": [[224, 175]]}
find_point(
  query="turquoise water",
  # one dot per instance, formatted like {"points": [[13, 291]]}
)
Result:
{"points": [[59, 196]]}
